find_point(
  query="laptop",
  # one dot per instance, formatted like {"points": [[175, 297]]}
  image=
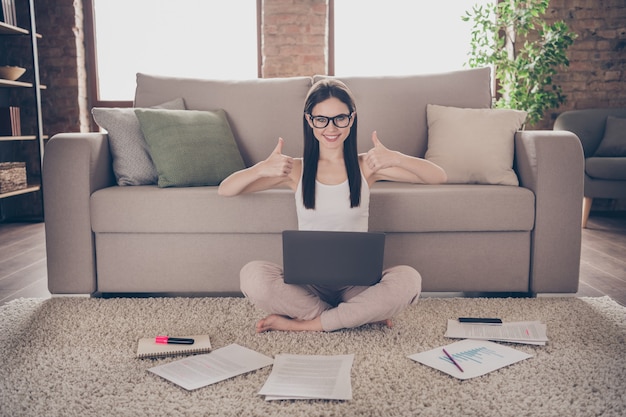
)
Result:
{"points": [[332, 259]]}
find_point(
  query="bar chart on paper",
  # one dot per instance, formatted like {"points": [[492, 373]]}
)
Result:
{"points": [[474, 357], [477, 355]]}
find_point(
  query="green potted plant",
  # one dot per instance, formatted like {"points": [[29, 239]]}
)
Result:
{"points": [[524, 50]]}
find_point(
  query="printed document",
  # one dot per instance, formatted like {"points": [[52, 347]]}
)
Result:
{"points": [[198, 371], [527, 332], [475, 357], [309, 377]]}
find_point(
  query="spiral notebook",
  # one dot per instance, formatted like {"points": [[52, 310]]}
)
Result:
{"points": [[148, 348]]}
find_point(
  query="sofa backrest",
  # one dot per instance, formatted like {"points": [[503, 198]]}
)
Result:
{"points": [[261, 110], [395, 106]]}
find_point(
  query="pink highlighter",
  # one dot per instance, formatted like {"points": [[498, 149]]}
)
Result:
{"points": [[174, 340]]}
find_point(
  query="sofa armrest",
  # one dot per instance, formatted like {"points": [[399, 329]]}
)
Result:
{"points": [[551, 164], [74, 166]]}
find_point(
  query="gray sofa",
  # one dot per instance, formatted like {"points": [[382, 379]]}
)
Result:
{"points": [[103, 238], [605, 167]]}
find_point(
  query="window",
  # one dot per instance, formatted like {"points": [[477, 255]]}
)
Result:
{"points": [[399, 37], [185, 38]]}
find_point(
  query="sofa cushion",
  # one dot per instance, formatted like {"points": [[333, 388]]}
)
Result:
{"points": [[149, 209], [613, 142], [402, 207], [394, 207], [605, 168], [188, 147], [132, 164], [474, 145]]}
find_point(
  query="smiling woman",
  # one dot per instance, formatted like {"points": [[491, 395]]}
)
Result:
{"points": [[187, 38]]}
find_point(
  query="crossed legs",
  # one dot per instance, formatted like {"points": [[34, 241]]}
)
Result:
{"points": [[294, 307]]}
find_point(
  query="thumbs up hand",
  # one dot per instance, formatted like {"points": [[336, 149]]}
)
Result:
{"points": [[379, 157], [277, 164]]}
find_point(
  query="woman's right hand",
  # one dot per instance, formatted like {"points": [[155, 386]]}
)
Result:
{"points": [[277, 164], [269, 173]]}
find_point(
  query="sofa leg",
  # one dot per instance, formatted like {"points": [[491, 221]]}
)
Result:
{"points": [[587, 201]]}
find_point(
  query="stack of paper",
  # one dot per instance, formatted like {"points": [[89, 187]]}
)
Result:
{"points": [[527, 332], [309, 377]]}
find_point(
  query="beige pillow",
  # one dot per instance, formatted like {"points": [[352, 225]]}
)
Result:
{"points": [[473, 145]]}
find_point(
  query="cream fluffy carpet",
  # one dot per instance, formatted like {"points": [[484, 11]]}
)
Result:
{"points": [[75, 357]]}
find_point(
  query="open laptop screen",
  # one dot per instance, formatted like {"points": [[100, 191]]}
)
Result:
{"points": [[332, 259]]}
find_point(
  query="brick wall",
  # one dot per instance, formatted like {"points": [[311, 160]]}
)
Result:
{"points": [[596, 76], [294, 40], [61, 50]]}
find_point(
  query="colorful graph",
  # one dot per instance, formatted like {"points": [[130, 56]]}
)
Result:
{"points": [[477, 355]]}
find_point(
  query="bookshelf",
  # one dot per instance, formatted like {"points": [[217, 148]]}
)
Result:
{"points": [[19, 47]]}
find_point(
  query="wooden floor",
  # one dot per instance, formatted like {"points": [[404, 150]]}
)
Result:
{"points": [[602, 266]]}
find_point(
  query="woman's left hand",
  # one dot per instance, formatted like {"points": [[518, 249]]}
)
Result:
{"points": [[388, 165], [379, 157]]}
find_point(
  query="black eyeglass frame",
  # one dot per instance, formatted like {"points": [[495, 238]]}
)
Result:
{"points": [[330, 119]]}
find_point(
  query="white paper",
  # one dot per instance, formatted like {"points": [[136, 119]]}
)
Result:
{"points": [[309, 377], [528, 332], [475, 357], [198, 371]]}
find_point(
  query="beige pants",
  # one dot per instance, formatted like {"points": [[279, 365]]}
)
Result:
{"points": [[262, 282]]}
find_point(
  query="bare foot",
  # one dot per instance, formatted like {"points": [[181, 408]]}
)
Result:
{"points": [[284, 323], [386, 322], [277, 322]]}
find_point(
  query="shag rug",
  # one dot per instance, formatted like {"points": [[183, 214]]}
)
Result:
{"points": [[76, 357]]}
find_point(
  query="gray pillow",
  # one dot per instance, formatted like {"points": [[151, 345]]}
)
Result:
{"points": [[132, 164], [190, 147], [613, 142]]}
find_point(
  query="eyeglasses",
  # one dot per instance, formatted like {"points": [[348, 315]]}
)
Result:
{"points": [[341, 120]]}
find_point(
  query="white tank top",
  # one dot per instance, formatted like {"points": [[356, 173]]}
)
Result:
{"points": [[332, 208]]}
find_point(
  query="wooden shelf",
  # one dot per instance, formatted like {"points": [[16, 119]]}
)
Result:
{"points": [[15, 138], [18, 138], [13, 84], [30, 189], [6, 29]]}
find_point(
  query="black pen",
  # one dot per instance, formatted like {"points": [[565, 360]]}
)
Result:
{"points": [[174, 340], [482, 320]]}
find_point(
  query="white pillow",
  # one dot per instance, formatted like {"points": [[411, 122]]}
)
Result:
{"points": [[132, 164], [473, 145]]}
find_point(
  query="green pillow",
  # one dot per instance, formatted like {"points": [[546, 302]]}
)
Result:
{"points": [[189, 147]]}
